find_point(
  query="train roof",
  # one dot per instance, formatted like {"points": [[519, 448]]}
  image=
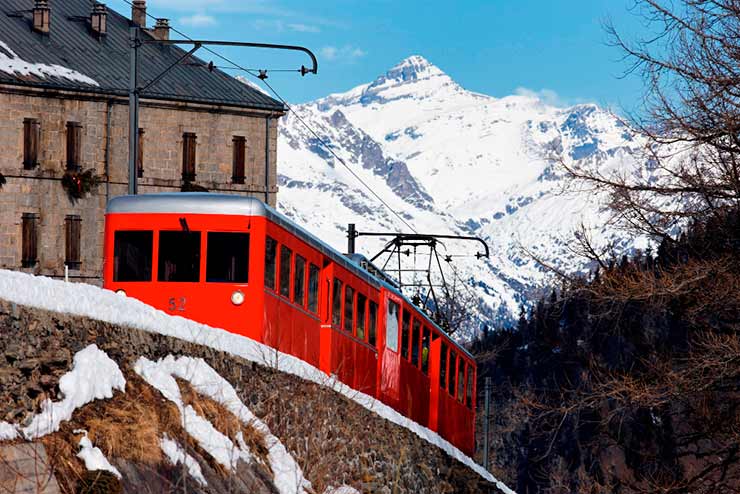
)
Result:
{"points": [[210, 203]]}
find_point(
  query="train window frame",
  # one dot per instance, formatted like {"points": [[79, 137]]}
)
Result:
{"points": [[336, 303], [452, 373], [361, 315], [405, 334], [220, 255], [461, 380], [271, 246], [162, 275], [284, 277], [392, 330], [415, 342], [372, 323], [348, 312], [426, 340], [443, 366], [116, 277], [299, 286], [313, 288], [469, 387]]}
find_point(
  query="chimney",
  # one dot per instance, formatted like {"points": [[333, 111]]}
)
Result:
{"points": [[162, 29], [138, 12], [41, 16], [99, 19]]}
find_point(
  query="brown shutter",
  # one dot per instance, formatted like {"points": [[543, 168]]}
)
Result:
{"points": [[73, 231], [188, 156], [240, 148], [31, 138], [140, 156], [29, 255], [74, 143]]}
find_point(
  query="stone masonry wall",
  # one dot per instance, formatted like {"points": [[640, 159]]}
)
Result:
{"points": [[40, 191]]}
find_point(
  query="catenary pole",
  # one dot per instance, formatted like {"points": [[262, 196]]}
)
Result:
{"points": [[133, 111], [485, 423]]}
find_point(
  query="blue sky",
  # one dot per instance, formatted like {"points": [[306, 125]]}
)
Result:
{"points": [[556, 48]]}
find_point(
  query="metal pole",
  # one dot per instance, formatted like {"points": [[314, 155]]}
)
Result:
{"points": [[267, 160], [351, 235], [485, 423], [133, 111]]}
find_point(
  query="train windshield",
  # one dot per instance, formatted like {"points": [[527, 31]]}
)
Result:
{"points": [[227, 260], [179, 256], [132, 256]]}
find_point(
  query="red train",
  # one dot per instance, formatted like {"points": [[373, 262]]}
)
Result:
{"points": [[234, 263]]}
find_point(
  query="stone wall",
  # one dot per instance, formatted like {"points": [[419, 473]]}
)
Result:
{"points": [[104, 148]]}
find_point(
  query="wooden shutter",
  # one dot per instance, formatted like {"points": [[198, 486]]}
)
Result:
{"points": [[73, 233], [74, 144], [240, 148], [188, 156], [140, 155], [31, 138], [29, 241]]}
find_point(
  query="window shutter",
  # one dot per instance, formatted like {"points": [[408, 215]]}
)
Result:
{"points": [[73, 233], [31, 138], [29, 254], [74, 141], [240, 148], [188, 156], [140, 156]]}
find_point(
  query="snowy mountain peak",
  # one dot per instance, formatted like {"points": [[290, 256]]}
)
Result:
{"points": [[413, 68]]}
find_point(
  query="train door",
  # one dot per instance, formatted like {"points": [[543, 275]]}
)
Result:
{"points": [[390, 359]]}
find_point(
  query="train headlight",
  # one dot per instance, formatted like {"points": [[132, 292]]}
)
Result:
{"points": [[121, 292], [237, 298]]}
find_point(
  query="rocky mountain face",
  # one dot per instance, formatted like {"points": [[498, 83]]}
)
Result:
{"points": [[450, 160]]}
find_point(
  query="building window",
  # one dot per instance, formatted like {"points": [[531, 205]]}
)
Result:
{"points": [[189, 145], [31, 138], [140, 155], [74, 146], [30, 236], [72, 235], [239, 157]]}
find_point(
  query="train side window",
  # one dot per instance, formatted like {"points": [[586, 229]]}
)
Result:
{"points": [[360, 311], [227, 257], [270, 262], [372, 322], [132, 255], [349, 303], [451, 373], [469, 394], [391, 326], [313, 288], [415, 336], [425, 351], [336, 304], [285, 256], [179, 256], [299, 281], [443, 367], [405, 326], [461, 380]]}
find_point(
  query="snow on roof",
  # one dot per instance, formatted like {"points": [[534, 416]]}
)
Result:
{"points": [[12, 64], [104, 305]]}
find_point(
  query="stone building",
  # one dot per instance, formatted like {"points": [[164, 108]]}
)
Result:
{"points": [[64, 76]]}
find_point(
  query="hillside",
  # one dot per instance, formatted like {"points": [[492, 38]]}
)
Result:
{"points": [[107, 383], [454, 161]]}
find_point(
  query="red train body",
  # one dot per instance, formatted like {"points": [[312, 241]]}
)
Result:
{"points": [[234, 263]]}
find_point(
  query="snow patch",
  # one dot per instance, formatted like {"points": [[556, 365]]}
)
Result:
{"points": [[8, 431], [94, 376], [177, 455], [11, 63], [343, 489], [94, 458], [104, 305], [288, 477]]}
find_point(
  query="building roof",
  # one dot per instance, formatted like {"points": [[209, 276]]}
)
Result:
{"points": [[71, 57]]}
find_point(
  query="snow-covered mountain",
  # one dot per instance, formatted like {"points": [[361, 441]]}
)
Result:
{"points": [[454, 161]]}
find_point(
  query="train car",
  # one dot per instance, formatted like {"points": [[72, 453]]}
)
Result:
{"points": [[235, 263]]}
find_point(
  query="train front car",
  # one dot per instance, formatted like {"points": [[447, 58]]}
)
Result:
{"points": [[199, 256]]}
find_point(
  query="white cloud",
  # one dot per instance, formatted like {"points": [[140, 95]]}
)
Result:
{"points": [[198, 20], [303, 28], [280, 26], [548, 97], [346, 52]]}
